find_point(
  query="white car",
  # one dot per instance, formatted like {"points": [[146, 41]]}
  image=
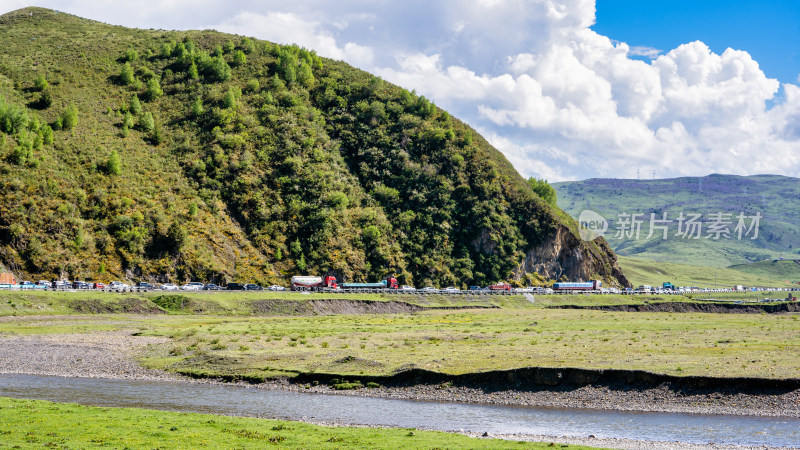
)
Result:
{"points": [[169, 287], [429, 289], [118, 285], [450, 290], [407, 288], [193, 286], [275, 287]]}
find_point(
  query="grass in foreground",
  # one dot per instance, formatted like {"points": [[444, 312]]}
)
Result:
{"points": [[35, 423]]}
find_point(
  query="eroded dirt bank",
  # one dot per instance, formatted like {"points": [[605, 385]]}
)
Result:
{"points": [[690, 307]]}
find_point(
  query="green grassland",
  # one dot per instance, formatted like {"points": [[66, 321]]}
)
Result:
{"points": [[455, 341], [764, 274], [35, 423], [475, 341], [779, 270]]}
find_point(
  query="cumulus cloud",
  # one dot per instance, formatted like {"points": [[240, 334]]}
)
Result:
{"points": [[582, 105]]}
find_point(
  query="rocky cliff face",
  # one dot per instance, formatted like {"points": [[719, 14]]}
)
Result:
{"points": [[564, 254]]}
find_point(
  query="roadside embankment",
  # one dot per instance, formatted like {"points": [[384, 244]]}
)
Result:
{"points": [[693, 307]]}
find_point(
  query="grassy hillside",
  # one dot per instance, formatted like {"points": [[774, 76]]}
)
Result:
{"points": [[780, 270], [642, 271], [775, 198], [134, 153]]}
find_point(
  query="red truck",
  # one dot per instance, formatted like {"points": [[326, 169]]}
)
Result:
{"points": [[500, 287], [312, 283]]}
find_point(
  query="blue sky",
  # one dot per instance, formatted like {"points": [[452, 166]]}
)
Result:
{"points": [[768, 30], [566, 89]]}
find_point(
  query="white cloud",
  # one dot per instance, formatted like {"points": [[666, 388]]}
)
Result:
{"points": [[687, 112], [642, 50]]}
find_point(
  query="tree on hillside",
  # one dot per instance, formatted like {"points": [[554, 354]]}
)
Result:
{"points": [[127, 121], [247, 45], [175, 238], [69, 118], [135, 106], [229, 99], [126, 76], [216, 69], [146, 122], [47, 135], [113, 165], [131, 55], [157, 136], [239, 58], [543, 190], [153, 89], [193, 74], [40, 83], [166, 50], [197, 107]]}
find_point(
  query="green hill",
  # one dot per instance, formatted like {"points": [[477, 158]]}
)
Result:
{"points": [[782, 271], [654, 273], [172, 155], [775, 198]]}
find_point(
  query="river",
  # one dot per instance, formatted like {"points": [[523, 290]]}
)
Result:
{"points": [[444, 416]]}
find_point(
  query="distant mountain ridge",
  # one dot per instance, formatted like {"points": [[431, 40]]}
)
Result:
{"points": [[774, 199]]}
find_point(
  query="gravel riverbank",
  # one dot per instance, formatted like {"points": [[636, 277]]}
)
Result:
{"points": [[90, 355], [112, 355], [660, 399]]}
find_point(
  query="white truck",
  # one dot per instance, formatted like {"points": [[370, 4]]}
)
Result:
{"points": [[312, 283]]}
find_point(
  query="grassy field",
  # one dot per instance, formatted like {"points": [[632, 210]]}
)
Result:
{"points": [[453, 341], [33, 423], [230, 340], [642, 271]]}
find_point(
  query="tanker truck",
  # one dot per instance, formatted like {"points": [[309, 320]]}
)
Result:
{"points": [[312, 283]]}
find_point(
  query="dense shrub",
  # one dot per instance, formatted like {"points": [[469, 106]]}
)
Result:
{"points": [[126, 75], [40, 83], [69, 118], [153, 89], [135, 105], [113, 164]]}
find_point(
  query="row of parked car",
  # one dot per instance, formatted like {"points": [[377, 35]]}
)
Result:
{"points": [[141, 286]]}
